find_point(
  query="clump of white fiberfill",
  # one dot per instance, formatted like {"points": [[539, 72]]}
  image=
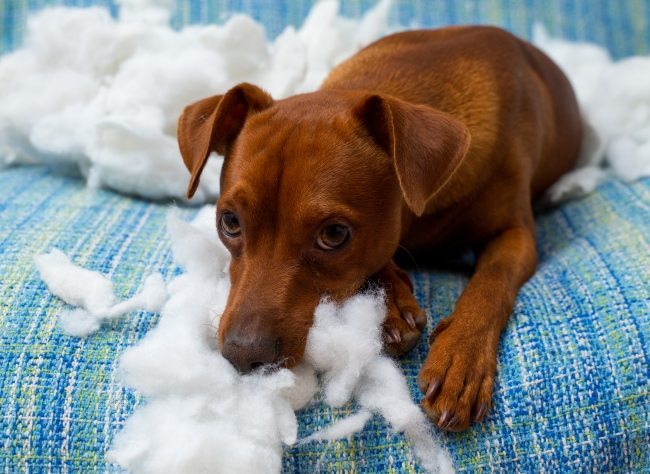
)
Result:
{"points": [[341, 343], [344, 346], [202, 415], [614, 97], [93, 293], [114, 114]]}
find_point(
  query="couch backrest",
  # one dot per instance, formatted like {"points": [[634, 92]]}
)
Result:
{"points": [[623, 26]]}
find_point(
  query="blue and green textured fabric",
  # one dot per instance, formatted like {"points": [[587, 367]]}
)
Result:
{"points": [[573, 386]]}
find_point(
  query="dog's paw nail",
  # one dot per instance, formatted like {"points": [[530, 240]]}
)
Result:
{"points": [[444, 419], [432, 390], [393, 336], [451, 423], [481, 412], [408, 317]]}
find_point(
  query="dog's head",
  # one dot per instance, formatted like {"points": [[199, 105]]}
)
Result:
{"points": [[314, 193]]}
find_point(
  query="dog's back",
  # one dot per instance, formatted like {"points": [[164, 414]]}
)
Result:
{"points": [[509, 94]]}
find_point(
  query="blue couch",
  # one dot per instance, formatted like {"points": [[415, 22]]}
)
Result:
{"points": [[573, 386]]}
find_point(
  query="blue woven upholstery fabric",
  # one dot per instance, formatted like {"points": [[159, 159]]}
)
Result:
{"points": [[572, 392], [573, 386]]}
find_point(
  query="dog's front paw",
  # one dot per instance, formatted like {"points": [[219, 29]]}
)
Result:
{"points": [[458, 375], [405, 320], [401, 329]]}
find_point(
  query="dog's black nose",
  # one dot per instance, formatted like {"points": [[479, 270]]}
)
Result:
{"points": [[247, 354]]}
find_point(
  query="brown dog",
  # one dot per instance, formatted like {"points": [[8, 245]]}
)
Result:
{"points": [[423, 139]]}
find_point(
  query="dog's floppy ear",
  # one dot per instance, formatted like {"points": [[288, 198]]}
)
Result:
{"points": [[426, 145], [212, 124]]}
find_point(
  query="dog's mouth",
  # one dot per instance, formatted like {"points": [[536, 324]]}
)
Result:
{"points": [[268, 340], [263, 351], [271, 337]]}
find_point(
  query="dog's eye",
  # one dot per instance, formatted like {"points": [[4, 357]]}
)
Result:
{"points": [[333, 236], [230, 224]]}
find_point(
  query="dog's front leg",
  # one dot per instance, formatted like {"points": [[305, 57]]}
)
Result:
{"points": [[458, 374]]}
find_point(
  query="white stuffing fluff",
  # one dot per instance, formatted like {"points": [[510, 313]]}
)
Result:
{"points": [[345, 346], [93, 293], [201, 414], [107, 98], [335, 349], [341, 428], [614, 98]]}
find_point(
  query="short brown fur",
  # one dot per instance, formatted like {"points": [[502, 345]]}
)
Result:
{"points": [[423, 139]]}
